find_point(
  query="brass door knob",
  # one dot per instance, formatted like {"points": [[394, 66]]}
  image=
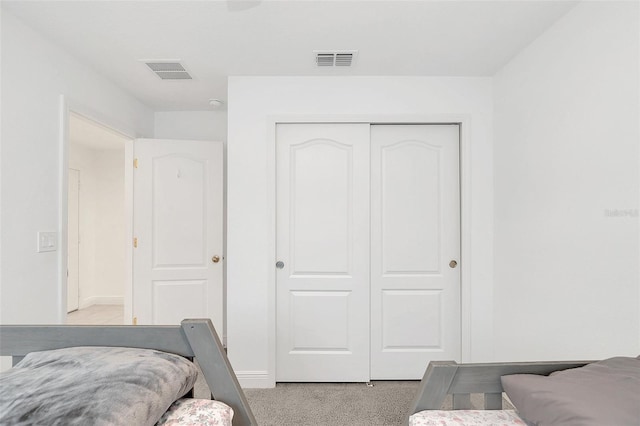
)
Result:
{"points": [[453, 264], [215, 259]]}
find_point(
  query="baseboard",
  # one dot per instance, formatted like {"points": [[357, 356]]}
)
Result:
{"points": [[254, 379], [101, 300]]}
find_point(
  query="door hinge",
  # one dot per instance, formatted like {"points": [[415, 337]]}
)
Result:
{"points": [[135, 242], [135, 321], [135, 163]]}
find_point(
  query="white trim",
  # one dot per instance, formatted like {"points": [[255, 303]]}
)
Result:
{"points": [[254, 379], [638, 219], [129, 147], [464, 121], [465, 238], [101, 300], [68, 106], [63, 207]]}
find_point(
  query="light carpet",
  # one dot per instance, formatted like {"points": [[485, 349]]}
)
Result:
{"points": [[333, 404]]}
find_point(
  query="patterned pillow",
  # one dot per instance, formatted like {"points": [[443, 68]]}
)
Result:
{"points": [[466, 418], [197, 412]]}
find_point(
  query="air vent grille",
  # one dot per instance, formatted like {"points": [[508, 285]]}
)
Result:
{"points": [[325, 59], [169, 70], [343, 58]]}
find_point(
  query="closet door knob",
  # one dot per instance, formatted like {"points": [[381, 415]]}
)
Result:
{"points": [[279, 264], [453, 264], [215, 259]]}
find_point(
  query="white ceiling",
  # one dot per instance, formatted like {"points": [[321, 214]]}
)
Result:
{"points": [[215, 39]]}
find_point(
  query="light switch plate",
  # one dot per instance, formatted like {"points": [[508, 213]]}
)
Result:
{"points": [[47, 241]]}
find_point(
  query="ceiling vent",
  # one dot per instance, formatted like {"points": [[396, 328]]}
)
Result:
{"points": [[342, 58], [168, 70]]}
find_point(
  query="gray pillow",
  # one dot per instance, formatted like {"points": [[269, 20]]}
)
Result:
{"points": [[602, 393], [93, 386]]}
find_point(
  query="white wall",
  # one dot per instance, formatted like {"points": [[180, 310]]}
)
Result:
{"points": [[253, 101], [102, 224], [194, 125], [566, 152], [35, 72], [110, 227], [82, 158]]}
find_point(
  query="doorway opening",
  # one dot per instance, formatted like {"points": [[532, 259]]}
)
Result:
{"points": [[96, 223]]}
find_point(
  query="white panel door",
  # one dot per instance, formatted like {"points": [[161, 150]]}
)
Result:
{"points": [[177, 209], [322, 241], [415, 234], [73, 241]]}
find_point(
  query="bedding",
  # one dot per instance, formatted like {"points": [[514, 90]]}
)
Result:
{"points": [[197, 412], [466, 418], [93, 386], [601, 393]]}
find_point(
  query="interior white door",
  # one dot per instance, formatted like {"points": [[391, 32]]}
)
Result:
{"points": [[415, 234], [177, 224], [73, 241], [322, 242]]}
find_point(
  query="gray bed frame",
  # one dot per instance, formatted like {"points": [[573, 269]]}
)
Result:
{"points": [[444, 378], [194, 338]]}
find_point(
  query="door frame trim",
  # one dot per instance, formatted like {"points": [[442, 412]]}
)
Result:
{"points": [[67, 107], [464, 123]]}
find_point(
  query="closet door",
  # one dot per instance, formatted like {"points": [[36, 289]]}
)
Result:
{"points": [[322, 275], [415, 247]]}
